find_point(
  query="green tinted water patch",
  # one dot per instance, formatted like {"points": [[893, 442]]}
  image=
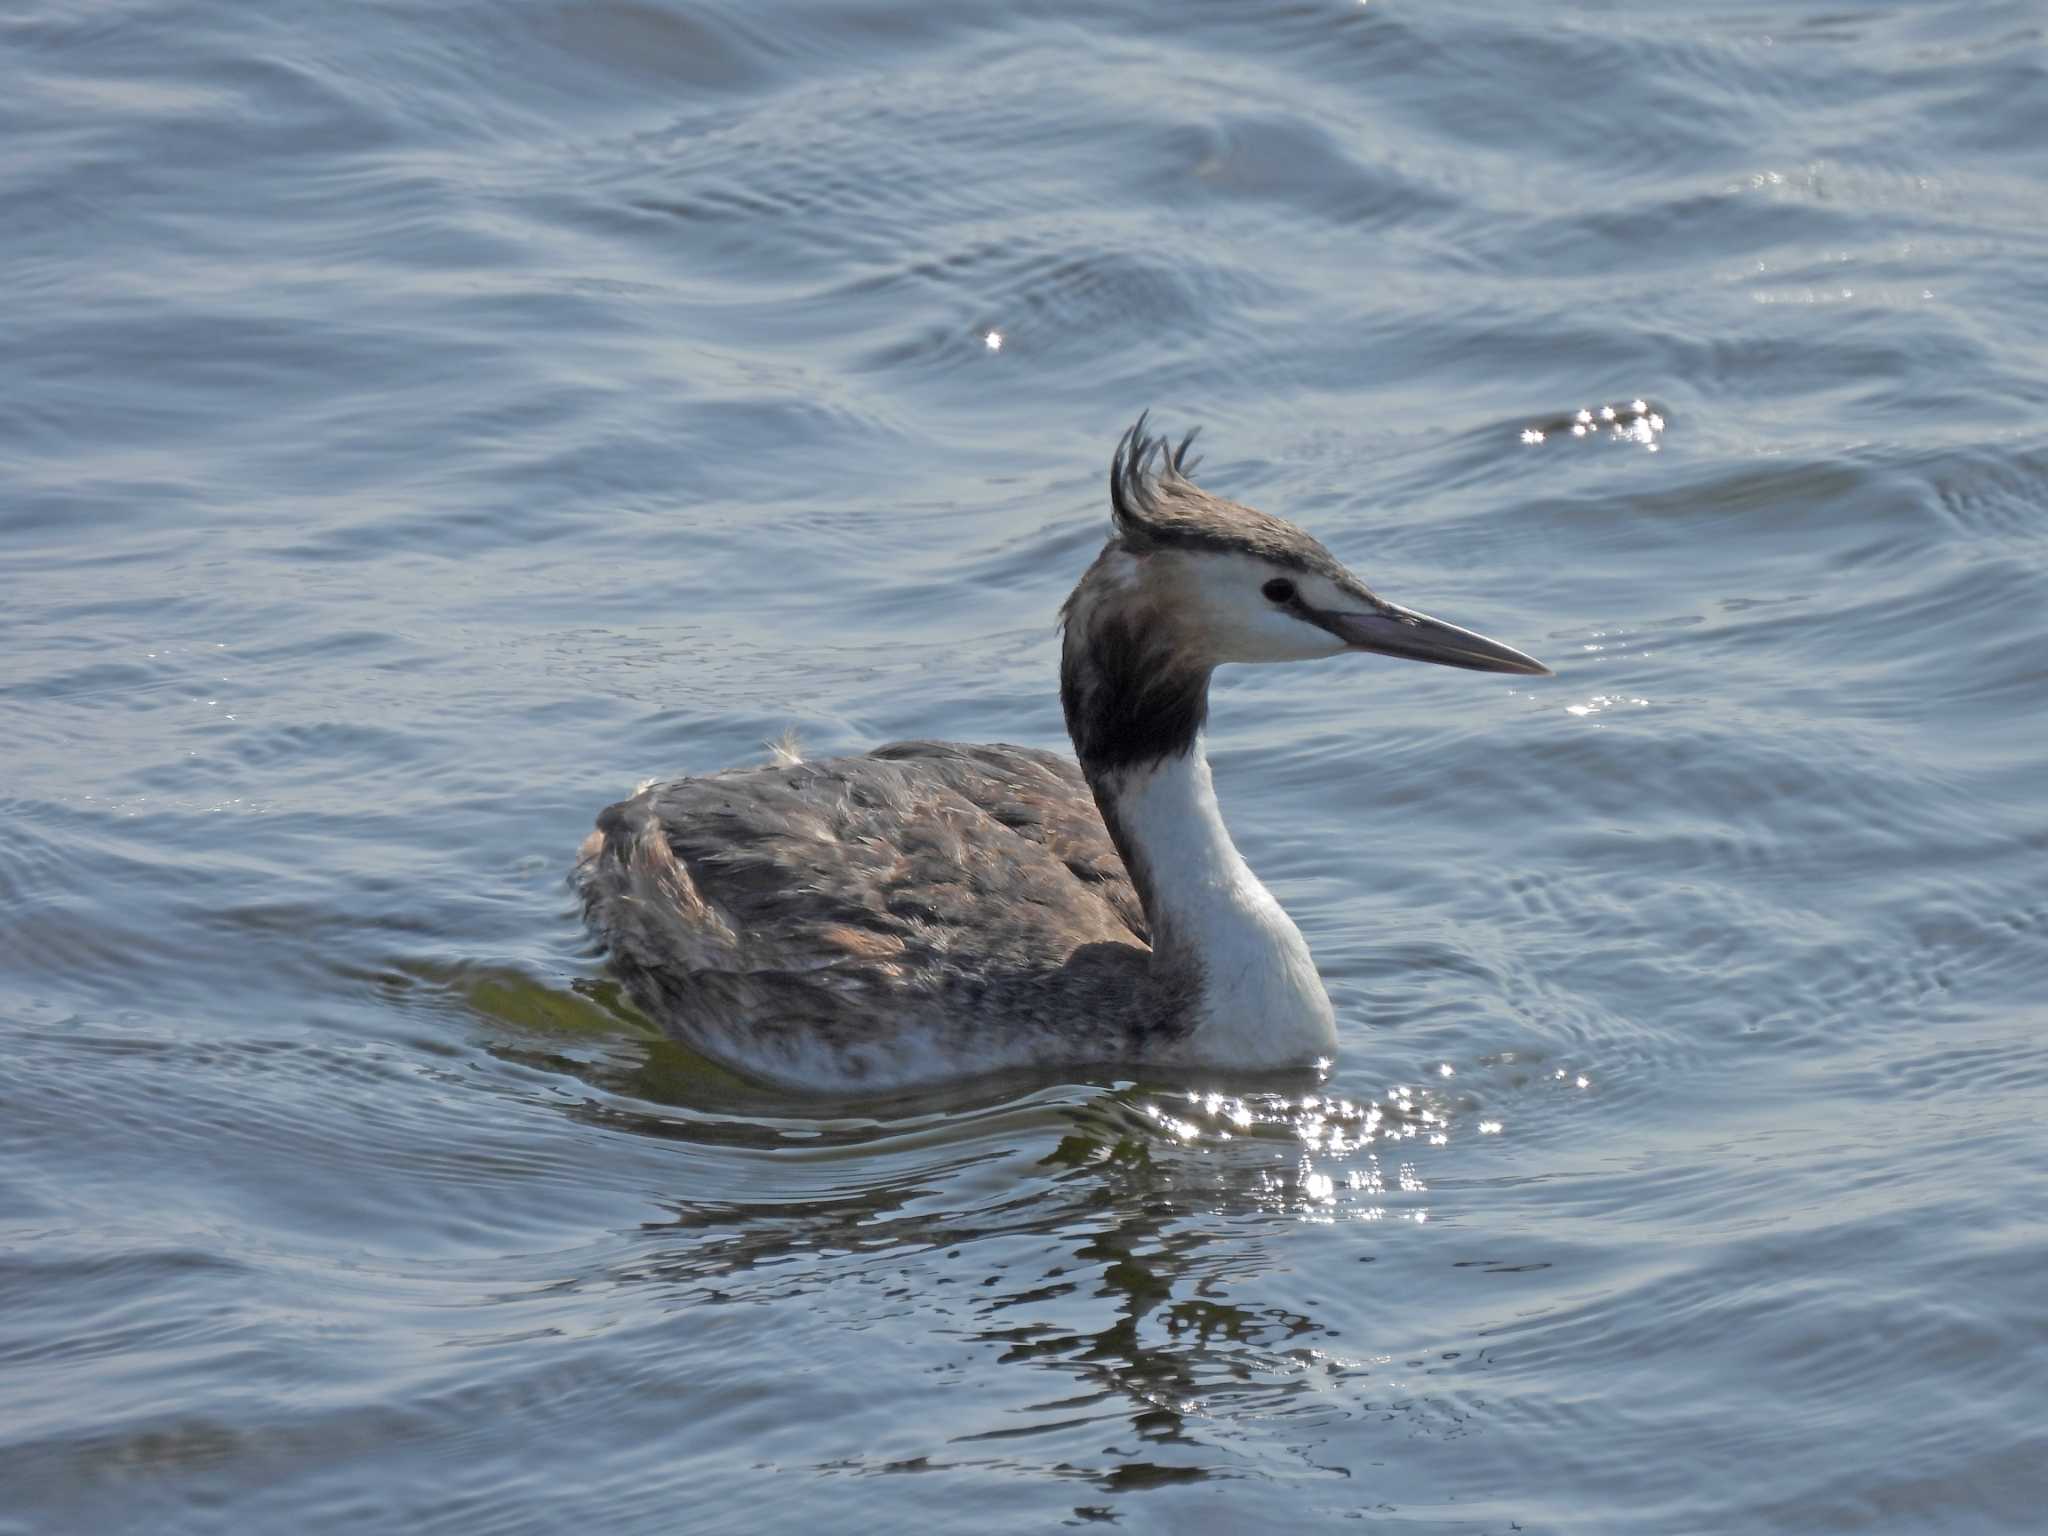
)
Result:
{"points": [[586, 1009]]}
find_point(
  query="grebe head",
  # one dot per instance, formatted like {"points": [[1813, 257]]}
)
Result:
{"points": [[1189, 581]]}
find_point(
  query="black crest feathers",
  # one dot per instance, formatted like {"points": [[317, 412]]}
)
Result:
{"points": [[1142, 465]]}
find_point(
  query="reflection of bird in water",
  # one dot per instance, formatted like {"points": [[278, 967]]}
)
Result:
{"points": [[934, 910]]}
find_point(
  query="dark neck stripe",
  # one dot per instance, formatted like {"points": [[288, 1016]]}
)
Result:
{"points": [[1127, 700]]}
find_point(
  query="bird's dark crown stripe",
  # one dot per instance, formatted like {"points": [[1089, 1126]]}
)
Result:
{"points": [[1156, 504]]}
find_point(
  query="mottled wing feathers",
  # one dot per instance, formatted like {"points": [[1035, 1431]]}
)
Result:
{"points": [[1040, 796], [919, 874]]}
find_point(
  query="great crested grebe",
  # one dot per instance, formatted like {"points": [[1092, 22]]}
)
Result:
{"points": [[934, 910]]}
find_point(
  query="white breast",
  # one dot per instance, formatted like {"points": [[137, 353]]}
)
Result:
{"points": [[1263, 1005]]}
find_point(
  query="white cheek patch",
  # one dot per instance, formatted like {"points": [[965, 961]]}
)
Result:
{"points": [[1240, 623], [1323, 593], [1283, 635]]}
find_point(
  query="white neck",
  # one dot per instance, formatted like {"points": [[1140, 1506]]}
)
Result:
{"points": [[1262, 1004]]}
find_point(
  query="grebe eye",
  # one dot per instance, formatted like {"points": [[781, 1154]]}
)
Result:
{"points": [[1279, 590]]}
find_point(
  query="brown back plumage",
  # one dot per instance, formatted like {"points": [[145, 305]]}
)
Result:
{"points": [[835, 908]]}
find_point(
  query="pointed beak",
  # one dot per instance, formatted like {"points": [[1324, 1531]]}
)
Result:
{"points": [[1392, 630]]}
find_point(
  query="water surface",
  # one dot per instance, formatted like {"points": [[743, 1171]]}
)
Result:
{"points": [[423, 422]]}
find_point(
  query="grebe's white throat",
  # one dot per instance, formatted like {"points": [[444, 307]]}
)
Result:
{"points": [[933, 910], [1261, 1003]]}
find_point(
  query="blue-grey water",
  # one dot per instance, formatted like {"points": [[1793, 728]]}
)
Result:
{"points": [[421, 422]]}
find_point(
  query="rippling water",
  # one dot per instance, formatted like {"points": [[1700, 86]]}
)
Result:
{"points": [[421, 422]]}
